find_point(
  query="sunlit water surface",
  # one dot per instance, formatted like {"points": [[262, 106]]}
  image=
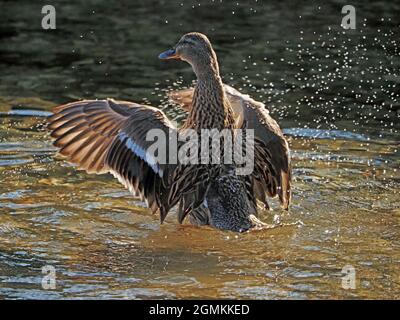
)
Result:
{"points": [[103, 243]]}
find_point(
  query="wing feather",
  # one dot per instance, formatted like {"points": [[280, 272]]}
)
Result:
{"points": [[102, 136]]}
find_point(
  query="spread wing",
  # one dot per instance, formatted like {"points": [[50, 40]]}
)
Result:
{"points": [[102, 136], [272, 171]]}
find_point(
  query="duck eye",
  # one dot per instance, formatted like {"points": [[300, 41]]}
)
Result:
{"points": [[186, 42]]}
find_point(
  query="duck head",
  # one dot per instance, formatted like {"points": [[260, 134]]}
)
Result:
{"points": [[196, 49]]}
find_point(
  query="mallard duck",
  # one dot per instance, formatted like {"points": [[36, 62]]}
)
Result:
{"points": [[109, 136]]}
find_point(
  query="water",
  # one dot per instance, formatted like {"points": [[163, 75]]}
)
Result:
{"points": [[341, 119]]}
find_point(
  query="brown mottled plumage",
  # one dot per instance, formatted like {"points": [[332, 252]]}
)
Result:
{"points": [[110, 136], [272, 175]]}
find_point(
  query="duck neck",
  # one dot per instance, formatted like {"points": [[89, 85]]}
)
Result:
{"points": [[210, 108]]}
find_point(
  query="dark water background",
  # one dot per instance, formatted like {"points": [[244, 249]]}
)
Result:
{"points": [[335, 92]]}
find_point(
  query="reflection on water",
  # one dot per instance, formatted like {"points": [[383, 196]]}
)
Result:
{"points": [[342, 126], [105, 244]]}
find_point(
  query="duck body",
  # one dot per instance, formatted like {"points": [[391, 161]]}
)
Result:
{"points": [[225, 205], [110, 136]]}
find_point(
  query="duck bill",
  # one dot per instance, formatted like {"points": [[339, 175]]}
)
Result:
{"points": [[169, 54]]}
